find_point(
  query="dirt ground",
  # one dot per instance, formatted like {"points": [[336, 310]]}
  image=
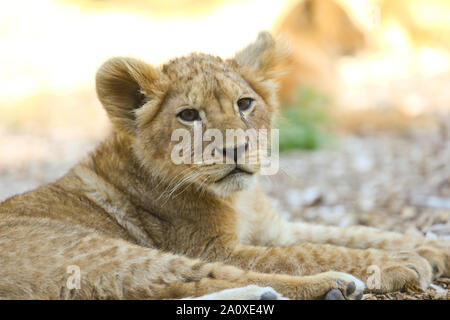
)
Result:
{"points": [[397, 180]]}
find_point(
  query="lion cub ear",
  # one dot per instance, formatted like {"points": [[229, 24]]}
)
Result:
{"points": [[124, 85], [262, 56]]}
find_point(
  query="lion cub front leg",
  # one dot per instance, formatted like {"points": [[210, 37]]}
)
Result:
{"points": [[267, 228], [435, 251], [144, 273], [385, 271]]}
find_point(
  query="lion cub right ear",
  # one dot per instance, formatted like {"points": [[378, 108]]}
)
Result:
{"points": [[125, 85], [262, 56]]}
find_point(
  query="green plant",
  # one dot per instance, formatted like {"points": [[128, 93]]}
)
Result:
{"points": [[302, 123]]}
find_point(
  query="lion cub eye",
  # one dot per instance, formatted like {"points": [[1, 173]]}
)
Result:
{"points": [[189, 115], [245, 103]]}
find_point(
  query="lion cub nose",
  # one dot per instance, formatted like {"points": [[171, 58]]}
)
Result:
{"points": [[236, 152]]}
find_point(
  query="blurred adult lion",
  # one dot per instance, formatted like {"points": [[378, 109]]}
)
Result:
{"points": [[425, 22], [320, 32]]}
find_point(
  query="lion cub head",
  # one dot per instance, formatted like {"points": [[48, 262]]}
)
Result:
{"points": [[196, 93]]}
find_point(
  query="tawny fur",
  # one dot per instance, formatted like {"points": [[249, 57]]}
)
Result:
{"points": [[139, 226]]}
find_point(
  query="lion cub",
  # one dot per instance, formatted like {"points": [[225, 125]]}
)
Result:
{"points": [[135, 225]]}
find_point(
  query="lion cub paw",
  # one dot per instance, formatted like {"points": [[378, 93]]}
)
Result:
{"points": [[344, 286], [250, 292], [405, 270]]}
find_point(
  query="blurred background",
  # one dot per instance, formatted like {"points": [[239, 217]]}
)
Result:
{"points": [[365, 121]]}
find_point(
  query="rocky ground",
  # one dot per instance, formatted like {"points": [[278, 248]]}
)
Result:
{"points": [[392, 180]]}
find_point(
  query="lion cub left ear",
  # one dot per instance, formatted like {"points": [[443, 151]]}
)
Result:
{"points": [[262, 56], [126, 86]]}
